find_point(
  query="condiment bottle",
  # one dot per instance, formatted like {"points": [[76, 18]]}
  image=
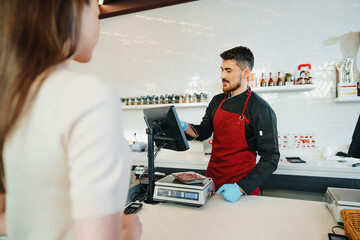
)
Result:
{"points": [[253, 80], [279, 81], [263, 82], [271, 81], [288, 79]]}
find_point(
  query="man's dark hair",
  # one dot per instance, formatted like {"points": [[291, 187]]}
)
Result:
{"points": [[243, 56]]}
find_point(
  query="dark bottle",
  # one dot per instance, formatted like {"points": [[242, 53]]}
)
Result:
{"points": [[279, 81], [271, 81]]}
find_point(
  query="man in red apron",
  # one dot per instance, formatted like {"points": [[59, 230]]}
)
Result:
{"points": [[243, 124]]}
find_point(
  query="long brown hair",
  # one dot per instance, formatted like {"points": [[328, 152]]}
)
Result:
{"points": [[35, 36]]}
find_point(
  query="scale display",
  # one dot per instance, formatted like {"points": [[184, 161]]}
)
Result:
{"points": [[177, 194]]}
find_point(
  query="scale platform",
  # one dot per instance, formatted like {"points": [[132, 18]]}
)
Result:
{"points": [[171, 190], [338, 199]]}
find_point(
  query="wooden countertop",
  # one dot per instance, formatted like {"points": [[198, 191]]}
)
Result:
{"points": [[251, 217]]}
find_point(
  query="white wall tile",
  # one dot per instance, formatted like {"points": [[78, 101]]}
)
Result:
{"points": [[176, 50]]}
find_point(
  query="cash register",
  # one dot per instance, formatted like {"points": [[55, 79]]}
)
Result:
{"points": [[164, 131]]}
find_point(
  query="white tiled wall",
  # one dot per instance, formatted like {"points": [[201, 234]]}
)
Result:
{"points": [[176, 50]]}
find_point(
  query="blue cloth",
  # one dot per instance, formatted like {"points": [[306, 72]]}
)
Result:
{"points": [[184, 125], [230, 192]]}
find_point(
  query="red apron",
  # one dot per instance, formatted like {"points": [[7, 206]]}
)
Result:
{"points": [[231, 159]]}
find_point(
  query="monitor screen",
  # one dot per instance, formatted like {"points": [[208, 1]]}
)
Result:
{"points": [[168, 132], [354, 150]]}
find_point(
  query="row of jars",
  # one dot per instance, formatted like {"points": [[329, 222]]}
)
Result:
{"points": [[165, 99]]}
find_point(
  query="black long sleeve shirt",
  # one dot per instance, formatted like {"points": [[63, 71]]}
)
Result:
{"points": [[261, 134]]}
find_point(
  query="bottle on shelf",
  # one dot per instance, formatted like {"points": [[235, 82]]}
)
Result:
{"points": [[263, 82], [271, 80], [288, 79], [279, 81], [253, 80]]}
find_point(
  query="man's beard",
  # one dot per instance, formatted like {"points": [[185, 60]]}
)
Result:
{"points": [[231, 89]]}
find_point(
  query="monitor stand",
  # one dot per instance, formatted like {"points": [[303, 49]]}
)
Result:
{"points": [[151, 169]]}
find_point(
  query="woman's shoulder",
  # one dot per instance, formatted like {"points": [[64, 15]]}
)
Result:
{"points": [[76, 88], [68, 80]]}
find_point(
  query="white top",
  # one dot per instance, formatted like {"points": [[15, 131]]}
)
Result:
{"points": [[67, 158], [250, 218]]}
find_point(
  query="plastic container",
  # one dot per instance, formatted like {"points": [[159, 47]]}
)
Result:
{"points": [[304, 74]]}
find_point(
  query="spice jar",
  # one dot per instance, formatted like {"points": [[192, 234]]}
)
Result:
{"points": [[182, 98], [203, 97], [155, 99], [188, 98], [288, 79], [149, 99], [143, 100], [168, 98], [196, 97], [162, 99], [137, 101]]}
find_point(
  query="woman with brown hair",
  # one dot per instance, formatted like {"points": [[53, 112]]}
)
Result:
{"points": [[64, 163]]}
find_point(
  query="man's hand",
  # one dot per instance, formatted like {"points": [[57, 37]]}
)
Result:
{"points": [[230, 192], [188, 130], [131, 227], [184, 125]]}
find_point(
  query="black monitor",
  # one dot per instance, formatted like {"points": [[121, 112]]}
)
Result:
{"points": [[354, 150], [168, 132], [163, 128]]}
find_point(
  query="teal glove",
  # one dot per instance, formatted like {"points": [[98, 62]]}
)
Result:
{"points": [[230, 192], [184, 125]]}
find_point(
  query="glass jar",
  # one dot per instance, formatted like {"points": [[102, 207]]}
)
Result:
{"points": [[155, 99], [182, 98], [162, 99], [188, 98], [149, 99], [168, 98], [203, 97], [288, 79]]}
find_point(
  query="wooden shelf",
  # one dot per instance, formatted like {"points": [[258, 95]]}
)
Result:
{"points": [[177, 105], [295, 88], [357, 99], [121, 7]]}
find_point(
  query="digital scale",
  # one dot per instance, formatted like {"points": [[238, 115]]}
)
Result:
{"points": [[338, 199], [171, 190]]}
